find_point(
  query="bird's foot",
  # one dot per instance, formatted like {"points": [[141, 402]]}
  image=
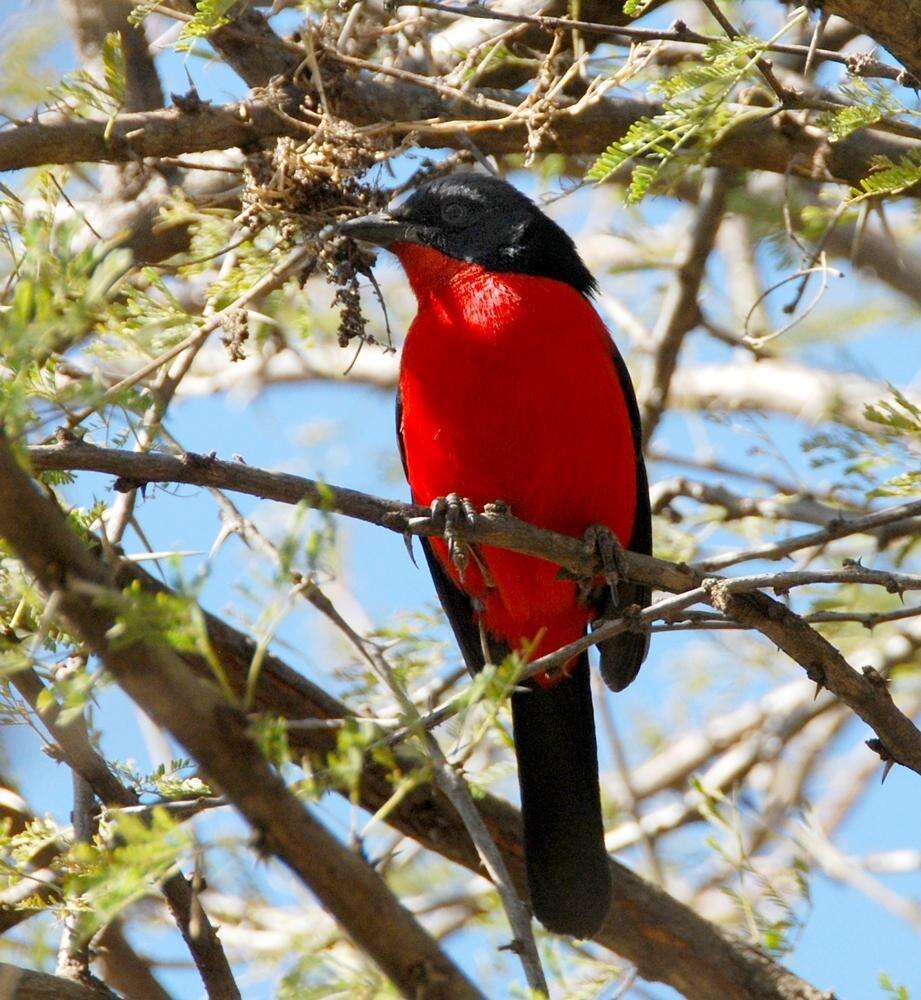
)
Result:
{"points": [[456, 512], [600, 541]]}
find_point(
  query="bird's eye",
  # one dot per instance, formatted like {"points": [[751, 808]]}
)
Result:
{"points": [[454, 213]]}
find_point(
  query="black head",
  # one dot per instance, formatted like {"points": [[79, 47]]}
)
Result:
{"points": [[483, 220]]}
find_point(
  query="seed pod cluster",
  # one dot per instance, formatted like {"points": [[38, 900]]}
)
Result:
{"points": [[300, 187]]}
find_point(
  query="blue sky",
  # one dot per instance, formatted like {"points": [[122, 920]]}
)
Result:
{"points": [[847, 942]]}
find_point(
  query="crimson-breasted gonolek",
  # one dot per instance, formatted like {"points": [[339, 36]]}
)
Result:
{"points": [[512, 389]]}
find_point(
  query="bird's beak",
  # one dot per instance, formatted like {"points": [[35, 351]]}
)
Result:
{"points": [[380, 229]]}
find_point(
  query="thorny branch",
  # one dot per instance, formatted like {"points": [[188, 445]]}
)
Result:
{"points": [[679, 33], [743, 602], [215, 732], [90, 767], [447, 779], [439, 122], [696, 958]]}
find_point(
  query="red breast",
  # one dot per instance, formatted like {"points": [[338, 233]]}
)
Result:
{"points": [[509, 393]]}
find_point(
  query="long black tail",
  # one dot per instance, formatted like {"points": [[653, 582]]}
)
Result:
{"points": [[567, 865]]}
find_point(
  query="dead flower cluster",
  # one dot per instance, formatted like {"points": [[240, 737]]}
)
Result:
{"points": [[300, 187]]}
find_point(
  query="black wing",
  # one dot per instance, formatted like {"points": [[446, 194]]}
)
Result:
{"points": [[456, 603], [623, 655]]}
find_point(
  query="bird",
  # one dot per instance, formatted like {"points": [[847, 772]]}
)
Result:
{"points": [[512, 391]]}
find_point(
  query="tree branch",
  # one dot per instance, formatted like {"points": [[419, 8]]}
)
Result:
{"points": [[896, 25], [490, 527], [168, 132], [779, 144], [789, 505], [90, 22], [216, 733], [622, 28], [250, 46], [24, 984], [77, 750], [680, 313], [665, 940]]}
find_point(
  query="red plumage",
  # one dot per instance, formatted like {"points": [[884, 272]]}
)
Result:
{"points": [[510, 393], [512, 390]]}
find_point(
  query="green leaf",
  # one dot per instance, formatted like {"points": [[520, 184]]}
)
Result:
{"points": [[271, 736], [900, 415], [907, 484], [892, 991], [209, 16], [889, 177], [170, 783], [695, 118], [107, 879], [142, 11], [634, 8], [871, 101], [113, 66]]}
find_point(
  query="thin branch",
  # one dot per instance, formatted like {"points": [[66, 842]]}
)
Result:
{"points": [[216, 733], [77, 750], [753, 609], [401, 107], [703, 620], [783, 583], [162, 392], [680, 312], [764, 67], [455, 788], [43, 883], [841, 528], [793, 505], [451, 783], [868, 66], [869, 619], [268, 282], [73, 955], [24, 984]]}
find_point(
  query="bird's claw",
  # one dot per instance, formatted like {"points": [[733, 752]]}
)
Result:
{"points": [[457, 512], [600, 541]]}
